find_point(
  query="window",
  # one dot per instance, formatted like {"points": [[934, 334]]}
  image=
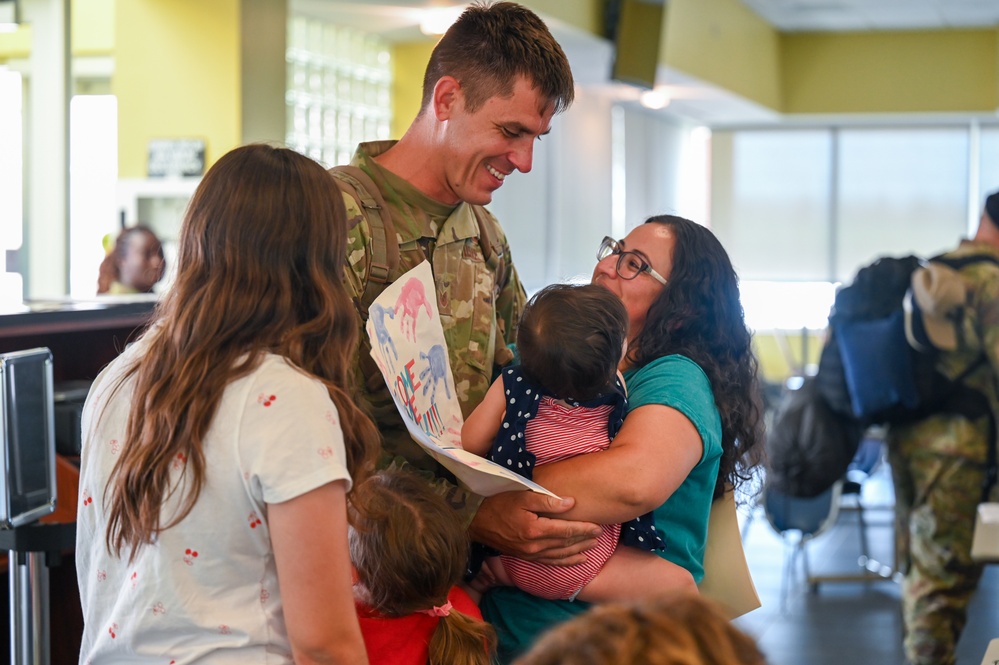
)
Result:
{"points": [[338, 89], [810, 206]]}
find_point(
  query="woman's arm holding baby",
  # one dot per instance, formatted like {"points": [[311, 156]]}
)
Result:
{"points": [[650, 457]]}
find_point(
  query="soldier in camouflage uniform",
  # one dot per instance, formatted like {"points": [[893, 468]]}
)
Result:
{"points": [[939, 468], [493, 84]]}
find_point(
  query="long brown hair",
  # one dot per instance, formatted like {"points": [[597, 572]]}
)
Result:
{"points": [[259, 270], [409, 548], [698, 314]]}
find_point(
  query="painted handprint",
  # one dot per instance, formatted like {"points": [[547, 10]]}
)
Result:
{"points": [[377, 314], [411, 299], [436, 371]]}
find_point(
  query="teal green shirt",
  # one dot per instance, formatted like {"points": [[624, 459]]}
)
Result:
{"points": [[682, 521]]}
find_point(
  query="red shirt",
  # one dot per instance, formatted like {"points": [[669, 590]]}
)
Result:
{"points": [[405, 640]]}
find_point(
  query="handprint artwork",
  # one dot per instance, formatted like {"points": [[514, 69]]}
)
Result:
{"points": [[407, 344]]}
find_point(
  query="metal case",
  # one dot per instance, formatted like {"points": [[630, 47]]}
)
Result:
{"points": [[27, 427]]}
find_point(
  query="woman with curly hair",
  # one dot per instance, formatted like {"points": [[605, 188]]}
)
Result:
{"points": [[694, 424], [220, 448]]}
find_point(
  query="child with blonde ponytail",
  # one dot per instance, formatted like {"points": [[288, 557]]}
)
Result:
{"points": [[409, 551]]}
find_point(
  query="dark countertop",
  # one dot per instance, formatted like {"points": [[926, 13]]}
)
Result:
{"points": [[55, 316]]}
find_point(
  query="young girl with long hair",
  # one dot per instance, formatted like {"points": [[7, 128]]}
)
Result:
{"points": [[220, 448], [409, 550]]}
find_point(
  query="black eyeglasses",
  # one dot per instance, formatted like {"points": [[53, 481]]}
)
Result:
{"points": [[629, 264]]}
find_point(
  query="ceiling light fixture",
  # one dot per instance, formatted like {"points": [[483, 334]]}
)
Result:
{"points": [[655, 99], [436, 20]]}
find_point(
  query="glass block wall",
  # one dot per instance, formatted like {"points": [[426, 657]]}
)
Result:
{"points": [[339, 83]]}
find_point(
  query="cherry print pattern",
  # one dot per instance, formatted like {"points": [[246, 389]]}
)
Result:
{"points": [[265, 399], [326, 452], [179, 461], [224, 630], [254, 521], [113, 630], [134, 579], [102, 575], [159, 609], [189, 556], [115, 446], [264, 596], [87, 499], [330, 418]]}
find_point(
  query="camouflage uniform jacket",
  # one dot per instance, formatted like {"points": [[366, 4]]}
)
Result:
{"points": [[949, 435], [480, 297]]}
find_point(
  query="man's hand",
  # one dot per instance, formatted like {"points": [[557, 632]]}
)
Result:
{"points": [[512, 522]]}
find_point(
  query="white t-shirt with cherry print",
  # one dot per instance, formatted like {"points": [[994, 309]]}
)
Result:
{"points": [[207, 589]]}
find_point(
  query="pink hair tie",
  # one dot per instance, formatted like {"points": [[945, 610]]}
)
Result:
{"points": [[442, 611]]}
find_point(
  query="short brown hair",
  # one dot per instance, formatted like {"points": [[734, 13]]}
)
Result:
{"points": [[669, 629], [570, 339], [490, 46]]}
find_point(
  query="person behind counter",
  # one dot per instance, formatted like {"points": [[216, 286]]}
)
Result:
{"points": [[220, 448], [133, 265]]}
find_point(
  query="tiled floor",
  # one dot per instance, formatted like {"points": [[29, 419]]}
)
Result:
{"points": [[854, 623]]}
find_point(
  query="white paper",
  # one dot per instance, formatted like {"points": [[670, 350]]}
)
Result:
{"points": [[407, 344]]}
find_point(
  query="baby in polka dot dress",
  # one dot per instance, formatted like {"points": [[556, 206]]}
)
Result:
{"points": [[567, 398]]}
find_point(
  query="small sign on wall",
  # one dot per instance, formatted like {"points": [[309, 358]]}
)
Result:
{"points": [[176, 158]]}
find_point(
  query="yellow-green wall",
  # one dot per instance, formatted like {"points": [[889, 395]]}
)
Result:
{"points": [[91, 32], [177, 75], [890, 72], [92, 27], [786, 353], [724, 43], [409, 60]]}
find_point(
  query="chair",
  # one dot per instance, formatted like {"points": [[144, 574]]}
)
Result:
{"points": [[799, 520], [865, 462]]}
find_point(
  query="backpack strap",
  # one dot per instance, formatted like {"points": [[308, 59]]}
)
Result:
{"points": [[384, 246], [492, 252]]}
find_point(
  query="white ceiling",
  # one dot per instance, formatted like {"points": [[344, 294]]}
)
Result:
{"points": [[397, 19], [863, 15]]}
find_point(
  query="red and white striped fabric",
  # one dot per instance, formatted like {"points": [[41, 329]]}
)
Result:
{"points": [[559, 431]]}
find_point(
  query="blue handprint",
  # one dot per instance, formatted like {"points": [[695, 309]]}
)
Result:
{"points": [[377, 315], [436, 370]]}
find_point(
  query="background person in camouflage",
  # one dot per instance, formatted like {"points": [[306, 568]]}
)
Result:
{"points": [[939, 467], [491, 88]]}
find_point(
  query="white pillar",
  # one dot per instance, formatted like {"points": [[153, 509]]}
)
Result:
{"points": [[46, 150]]}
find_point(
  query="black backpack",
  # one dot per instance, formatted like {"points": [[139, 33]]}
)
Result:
{"points": [[868, 370], [868, 374]]}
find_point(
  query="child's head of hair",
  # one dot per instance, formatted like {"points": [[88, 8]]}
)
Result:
{"points": [[667, 629], [409, 548], [571, 339]]}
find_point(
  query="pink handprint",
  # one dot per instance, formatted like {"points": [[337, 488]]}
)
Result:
{"points": [[411, 299]]}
